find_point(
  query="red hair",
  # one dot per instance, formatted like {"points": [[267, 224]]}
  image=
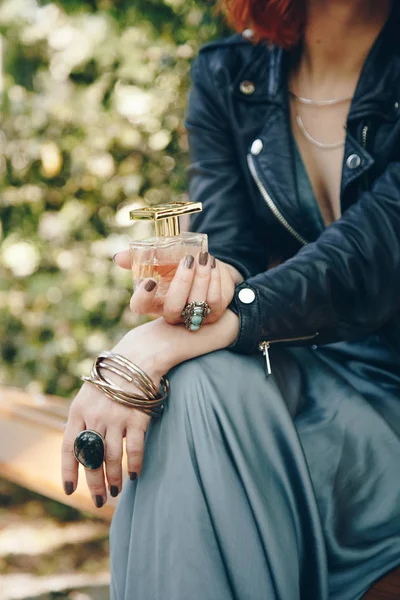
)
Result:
{"points": [[279, 22]]}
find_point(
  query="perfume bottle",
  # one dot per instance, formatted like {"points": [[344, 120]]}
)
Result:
{"points": [[158, 257]]}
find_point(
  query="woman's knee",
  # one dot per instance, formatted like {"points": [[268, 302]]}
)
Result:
{"points": [[196, 374], [215, 381], [224, 381]]}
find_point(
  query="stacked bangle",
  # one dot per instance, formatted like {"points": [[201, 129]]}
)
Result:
{"points": [[153, 400]]}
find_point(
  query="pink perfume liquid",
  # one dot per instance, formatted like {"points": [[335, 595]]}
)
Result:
{"points": [[163, 274], [158, 257]]}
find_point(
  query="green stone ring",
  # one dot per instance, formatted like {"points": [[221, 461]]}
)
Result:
{"points": [[194, 314], [89, 449]]}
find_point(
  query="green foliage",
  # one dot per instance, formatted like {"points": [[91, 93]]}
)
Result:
{"points": [[92, 108]]}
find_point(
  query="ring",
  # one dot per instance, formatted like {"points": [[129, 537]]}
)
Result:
{"points": [[194, 314], [89, 449]]}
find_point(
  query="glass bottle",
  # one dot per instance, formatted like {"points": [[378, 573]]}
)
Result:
{"points": [[158, 257]]}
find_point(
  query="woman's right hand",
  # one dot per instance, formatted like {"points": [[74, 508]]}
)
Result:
{"points": [[156, 347], [200, 278], [147, 346], [91, 409]]}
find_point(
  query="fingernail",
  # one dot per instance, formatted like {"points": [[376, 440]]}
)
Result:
{"points": [[189, 261], [133, 476], [203, 258], [68, 487], [99, 501], [213, 262], [114, 491], [150, 285], [115, 256]]}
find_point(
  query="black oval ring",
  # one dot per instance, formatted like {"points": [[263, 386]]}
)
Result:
{"points": [[89, 449]]}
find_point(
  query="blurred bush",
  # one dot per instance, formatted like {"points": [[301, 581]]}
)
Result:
{"points": [[93, 96]]}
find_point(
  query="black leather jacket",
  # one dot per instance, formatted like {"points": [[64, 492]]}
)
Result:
{"points": [[346, 283]]}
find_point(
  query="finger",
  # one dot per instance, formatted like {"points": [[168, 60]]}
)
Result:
{"points": [[199, 289], [123, 259], [143, 302], [95, 478], [214, 295], [227, 283], [97, 487], [134, 450], [114, 460], [179, 290], [69, 464]]}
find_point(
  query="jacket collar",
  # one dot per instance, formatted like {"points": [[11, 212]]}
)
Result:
{"points": [[375, 95], [376, 91]]}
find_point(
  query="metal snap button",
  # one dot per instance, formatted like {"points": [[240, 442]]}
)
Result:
{"points": [[353, 162], [247, 87], [396, 105], [246, 296], [256, 147], [248, 33]]}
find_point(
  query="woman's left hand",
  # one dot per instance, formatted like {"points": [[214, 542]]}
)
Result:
{"points": [[197, 279]]}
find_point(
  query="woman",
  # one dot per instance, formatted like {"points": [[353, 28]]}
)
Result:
{"points": [[285, 486]]}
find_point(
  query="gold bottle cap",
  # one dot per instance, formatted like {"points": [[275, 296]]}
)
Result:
{"points": [[166, 216]]}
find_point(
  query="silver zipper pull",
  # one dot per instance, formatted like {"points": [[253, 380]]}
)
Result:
{"points": [[264, 347]]}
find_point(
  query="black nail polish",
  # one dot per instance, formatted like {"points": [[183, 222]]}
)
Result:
{"points": [[203, 258], [115, 256], [114, 491], [133, 476], [213, 262], [99, 501], [68, 487], [150, 285], [189, 261]]}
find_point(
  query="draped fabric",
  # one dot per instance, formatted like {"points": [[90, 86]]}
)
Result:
{"points": [[256, 488]]}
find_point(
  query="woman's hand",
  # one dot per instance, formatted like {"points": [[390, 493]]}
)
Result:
{"points": [[196, 279], [91, 409], [146, 346], [155, 347]]}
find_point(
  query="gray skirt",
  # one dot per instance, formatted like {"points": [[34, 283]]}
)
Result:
{"points": [[255, 488]]}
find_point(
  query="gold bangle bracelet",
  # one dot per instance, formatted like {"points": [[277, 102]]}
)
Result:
{"points": [[151, 403], [134, 369], [153, 409]]}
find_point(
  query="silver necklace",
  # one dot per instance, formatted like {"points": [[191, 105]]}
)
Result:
{"points": [[313, 141], [310, 102], [302, 127]]}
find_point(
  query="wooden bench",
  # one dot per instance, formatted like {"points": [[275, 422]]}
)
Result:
{"points": [[31, 430]]}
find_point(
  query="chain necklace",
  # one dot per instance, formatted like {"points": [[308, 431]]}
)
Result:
{"points": [[313, 141], [310, 102], [320, 103]]}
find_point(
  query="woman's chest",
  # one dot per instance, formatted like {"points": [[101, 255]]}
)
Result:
{"points": [[319, 134], [264, 137]]}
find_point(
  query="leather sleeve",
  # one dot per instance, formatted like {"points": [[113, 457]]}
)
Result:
{"points": [[343, 286], [216, 180]]}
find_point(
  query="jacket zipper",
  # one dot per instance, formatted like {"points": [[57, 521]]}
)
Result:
{"points": [[364, 135], [271, 204], [265, 346]]}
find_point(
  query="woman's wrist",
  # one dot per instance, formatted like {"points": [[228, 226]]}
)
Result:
{"points": [[156, 347], [208, 338], [147, 346]]}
